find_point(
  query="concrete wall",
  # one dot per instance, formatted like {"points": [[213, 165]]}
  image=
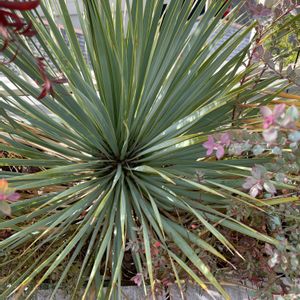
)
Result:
{"points": [[136, 293]]}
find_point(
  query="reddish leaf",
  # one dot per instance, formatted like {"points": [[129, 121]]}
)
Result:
{"points": [[20, 5], [11, 21], [46, 89], [227, 11], [47, 86], [28, 30]]}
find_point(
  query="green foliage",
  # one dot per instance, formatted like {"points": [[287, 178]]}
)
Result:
{"points": [[119, 151], [284, 42]]}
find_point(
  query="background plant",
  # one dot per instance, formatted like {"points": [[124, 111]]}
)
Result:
{"points": [[271, 270], [279, 138], [118, 148], [276, 37]]}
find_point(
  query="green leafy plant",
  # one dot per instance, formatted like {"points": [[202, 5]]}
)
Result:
{"points": [[277, 37], [118, 146]]}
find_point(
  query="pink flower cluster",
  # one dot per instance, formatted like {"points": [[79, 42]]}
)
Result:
{"points": [[279, 118], [280, 131], [219, 146]]}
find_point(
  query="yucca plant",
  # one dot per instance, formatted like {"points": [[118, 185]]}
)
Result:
{"points": [[117, 149]]}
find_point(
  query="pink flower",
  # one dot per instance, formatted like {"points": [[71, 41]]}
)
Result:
{"points": [[7, 194], [258, 182], [209, 145], [10, 197], [270, 135], [271, 117], [212, 146], [225, 139], [253, 185], [137, 279]]}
